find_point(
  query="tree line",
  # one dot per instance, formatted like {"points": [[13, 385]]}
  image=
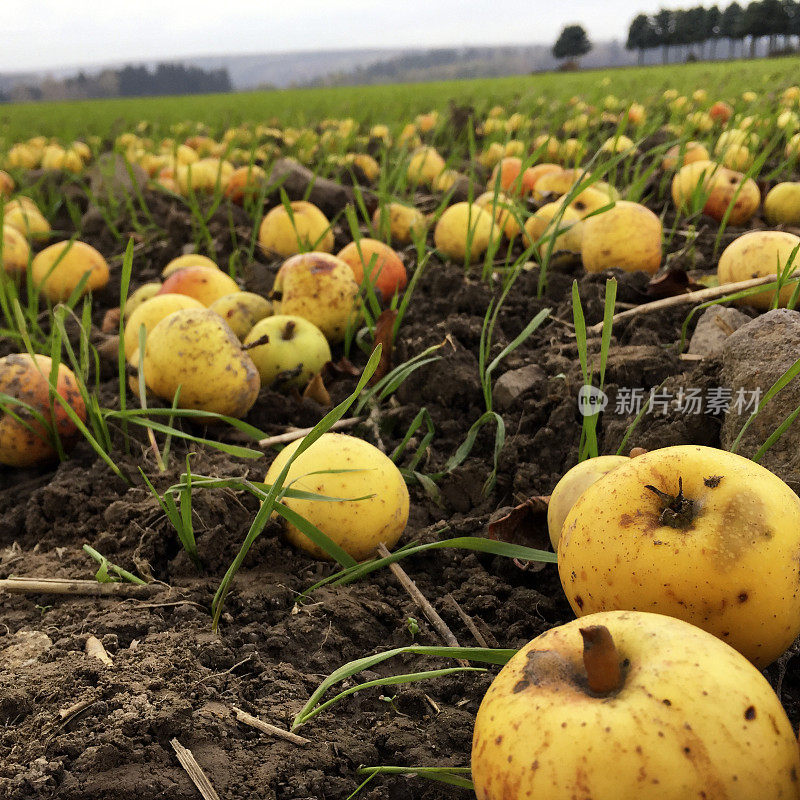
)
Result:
{"points": [[686, 33], [130, 81]]}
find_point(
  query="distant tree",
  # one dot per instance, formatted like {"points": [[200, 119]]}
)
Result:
{"points": [[664, 22], [572, 43], [793, 12], [730, 26], [641, 35], [712, 28], [755, 24]]}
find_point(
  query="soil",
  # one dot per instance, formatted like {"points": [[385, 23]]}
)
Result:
{"points": [[75, 729]]}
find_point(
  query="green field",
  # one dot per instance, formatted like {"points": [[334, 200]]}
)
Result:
{"points": [[393, 103]]}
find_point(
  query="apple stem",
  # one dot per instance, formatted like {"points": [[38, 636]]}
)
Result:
{"points": [[288, 331], [601, 660], [677, 511], [257, 343]]}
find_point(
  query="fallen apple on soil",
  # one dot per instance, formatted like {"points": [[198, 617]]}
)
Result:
{"points": [[571, 486], [357, 526], [387, 271], [759, 254], [625, 705], [58, 270], [204, 284], [627, 236], [321, 288], [301, 228], [242, 310], [196, 350], [24, 436], [694, 532]]}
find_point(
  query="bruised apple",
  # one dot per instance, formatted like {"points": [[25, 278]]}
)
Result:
{"points": [[195, 350], [290, 347], [321, 288], [626, 705], [24, 436], [694, 532], [150, 313], [242, 310], [357, 470]]}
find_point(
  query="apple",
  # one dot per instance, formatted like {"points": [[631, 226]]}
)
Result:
{"points": [[57, 270], [188, 260], [387, 271], [424, 166], [245, 182], [404, 223], [6, 184], [203, 283], [301, 228], [758, 254], [782, 204], [698, 533], [288, 344], [542, 224], [465, 231], [321, 288], [626, 705], [16, 252], [627, 236], [721, 111], [24, 214]]}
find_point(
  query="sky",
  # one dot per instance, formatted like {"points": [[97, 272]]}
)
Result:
{"points": [[49, 34]]}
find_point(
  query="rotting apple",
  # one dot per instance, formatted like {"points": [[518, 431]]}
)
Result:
{"points": [[195, 350], [697, 533], [627, 705], [321, 288], [289, 347], [150, 312], [242, 310], [341, 466], [24, 436]]}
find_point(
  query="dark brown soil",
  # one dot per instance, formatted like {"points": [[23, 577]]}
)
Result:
{"points": [[173, 678]]}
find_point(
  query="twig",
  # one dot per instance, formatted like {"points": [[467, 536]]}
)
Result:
{"points": [[66, 715], [416, 595], [224, 672], [265, 727], [700, 296], [194, 771], [299, 433], [467, 620], [94, 647], [73, 587]]}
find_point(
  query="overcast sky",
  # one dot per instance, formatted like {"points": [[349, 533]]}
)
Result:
{"points": [[43, 34]]}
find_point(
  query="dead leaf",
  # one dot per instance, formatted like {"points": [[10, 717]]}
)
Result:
{"points": [[110, 321], [384, 327], [316, 391], [674, 282], [336, 370], [526, 525]]}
